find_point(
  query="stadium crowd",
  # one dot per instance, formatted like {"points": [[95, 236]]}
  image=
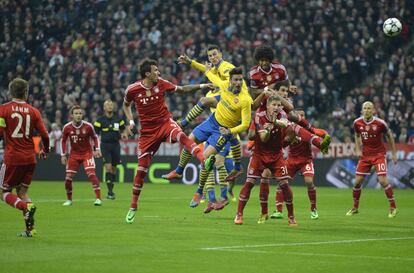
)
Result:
{"points": [[84, 52]]}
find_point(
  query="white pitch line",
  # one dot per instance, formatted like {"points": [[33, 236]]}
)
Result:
{"points": [[349, 256], [309, 243], [323, 255]]}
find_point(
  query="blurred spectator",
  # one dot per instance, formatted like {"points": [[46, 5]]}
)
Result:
{"points": [[86, 51], [55, 136]]}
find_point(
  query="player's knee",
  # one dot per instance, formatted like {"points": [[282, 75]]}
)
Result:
{"points": [[283, 182], [266, 173], [219, 161]]}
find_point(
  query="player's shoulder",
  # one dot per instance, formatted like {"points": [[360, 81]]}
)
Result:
{"points": [[358, 120], [226, 66], [254, 71], [277, 65], [380, 121], [67, 126], [87, 124], [133, 86]]}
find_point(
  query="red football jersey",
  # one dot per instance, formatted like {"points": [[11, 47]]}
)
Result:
{"points": [[274, 145], [81, 138], [259, 79], [20, 119], [300, 150], [372, 135], [150, 102]]}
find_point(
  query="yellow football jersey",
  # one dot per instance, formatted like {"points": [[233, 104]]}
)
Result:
{"points": [[233, 110]]}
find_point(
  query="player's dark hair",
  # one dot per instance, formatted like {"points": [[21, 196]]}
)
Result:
{"points": [[285, 83], [236, 71], [73, 108], [146, 66], [264, 52], [18, 88], [211, 47]]}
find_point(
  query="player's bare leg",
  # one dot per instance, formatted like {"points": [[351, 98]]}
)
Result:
{"points": [[356, 193], [312, 196], [382, 179]]}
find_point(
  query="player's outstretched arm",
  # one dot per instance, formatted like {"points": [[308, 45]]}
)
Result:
{"points": [[391, 141], [257, 101], [193, 87], [358, 145], [184, 59]]}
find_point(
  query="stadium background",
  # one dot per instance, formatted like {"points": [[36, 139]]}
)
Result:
{"points": [[87, 51]]}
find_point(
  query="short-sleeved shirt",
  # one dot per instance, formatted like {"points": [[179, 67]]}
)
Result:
{"points": [[274, 145], [109, 128], [150, 102], [81, 138], [259, 79], [19, 120], [372, 135]]}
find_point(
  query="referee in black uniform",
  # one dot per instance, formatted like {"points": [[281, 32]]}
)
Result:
{"points": [[111, 129]]}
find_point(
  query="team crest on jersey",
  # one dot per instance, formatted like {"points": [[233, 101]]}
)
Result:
{"points": [[367, 127], [77, 132], [236, 100], [277, 76], [374, 127], [72, 132], [156, 89], [83, 131], [269, 78], [251, 171]]}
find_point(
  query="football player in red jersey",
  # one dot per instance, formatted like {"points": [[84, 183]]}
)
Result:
{"points": [[369, 134], [80, 135], [268, 154], [299, 159], [18, 120], [156, 122]]}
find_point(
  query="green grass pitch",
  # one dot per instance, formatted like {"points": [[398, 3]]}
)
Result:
{"points": [[168, 236]]}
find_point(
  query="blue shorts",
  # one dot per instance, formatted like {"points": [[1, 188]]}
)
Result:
{"points": [[209, 131]]}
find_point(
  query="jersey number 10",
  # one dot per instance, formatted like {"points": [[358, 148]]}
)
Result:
{"points": [[16, 133]]}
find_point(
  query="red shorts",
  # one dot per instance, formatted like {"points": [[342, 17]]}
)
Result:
{"points": [[365, 164], [304, 165], [275, 163], [150, 139], [12, 176], [74, 163]]}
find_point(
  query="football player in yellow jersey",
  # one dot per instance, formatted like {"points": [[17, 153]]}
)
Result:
{"points": [[232, 116], [221, 69]]}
